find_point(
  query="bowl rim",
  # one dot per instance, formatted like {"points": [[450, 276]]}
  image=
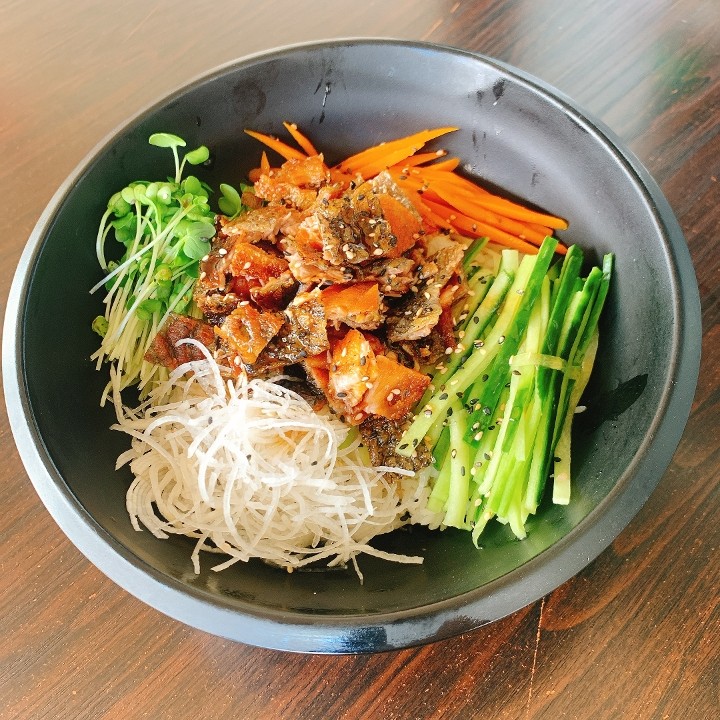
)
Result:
{"points": [[395, 629]]}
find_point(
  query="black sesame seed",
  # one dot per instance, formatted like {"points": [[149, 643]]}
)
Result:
{"points": [[444, 396]]}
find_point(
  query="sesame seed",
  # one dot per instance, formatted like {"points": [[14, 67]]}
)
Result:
{"points": [[377, 251], [222, 251]]}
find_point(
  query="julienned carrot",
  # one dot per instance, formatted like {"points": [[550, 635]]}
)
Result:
{"points": [[390, 158], [281, 148], [466, 225], [264, 162], [412, 184], [462, 187], [540, 228], [428, 216], [475, 212], [407, 167], [300, 139], [410, 144], [444, 199], [422, 158], [448, 165]]}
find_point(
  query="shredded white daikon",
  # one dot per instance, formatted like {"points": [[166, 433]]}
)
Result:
{"points": [[250, 470]]}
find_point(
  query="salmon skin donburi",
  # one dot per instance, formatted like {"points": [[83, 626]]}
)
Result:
{"points": [[341, 351]]}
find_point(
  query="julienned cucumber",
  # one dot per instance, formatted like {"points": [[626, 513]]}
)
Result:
{"points": [[500, 413]]}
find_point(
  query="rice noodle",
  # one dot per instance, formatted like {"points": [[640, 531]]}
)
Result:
{"points": [[250, 470]]}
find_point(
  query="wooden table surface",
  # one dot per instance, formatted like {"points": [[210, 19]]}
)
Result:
{"points": [[635, 635]]}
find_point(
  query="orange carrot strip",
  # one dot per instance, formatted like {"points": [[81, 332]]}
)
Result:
{"points": [[421, 158], [469, 192], [264, 162], [300, 139], [277, 145], [410, 145], [446, 165], [480, 214], [502, 205], [404, 180], [540, 228], [479, 229]]}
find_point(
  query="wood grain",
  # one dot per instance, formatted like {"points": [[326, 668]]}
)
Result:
{"points": [[635, 635]]}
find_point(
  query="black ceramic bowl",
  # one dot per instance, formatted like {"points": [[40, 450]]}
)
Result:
{"points": [[517, 134]]}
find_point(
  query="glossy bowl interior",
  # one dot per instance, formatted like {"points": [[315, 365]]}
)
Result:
{"points": [[516, 134]]}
